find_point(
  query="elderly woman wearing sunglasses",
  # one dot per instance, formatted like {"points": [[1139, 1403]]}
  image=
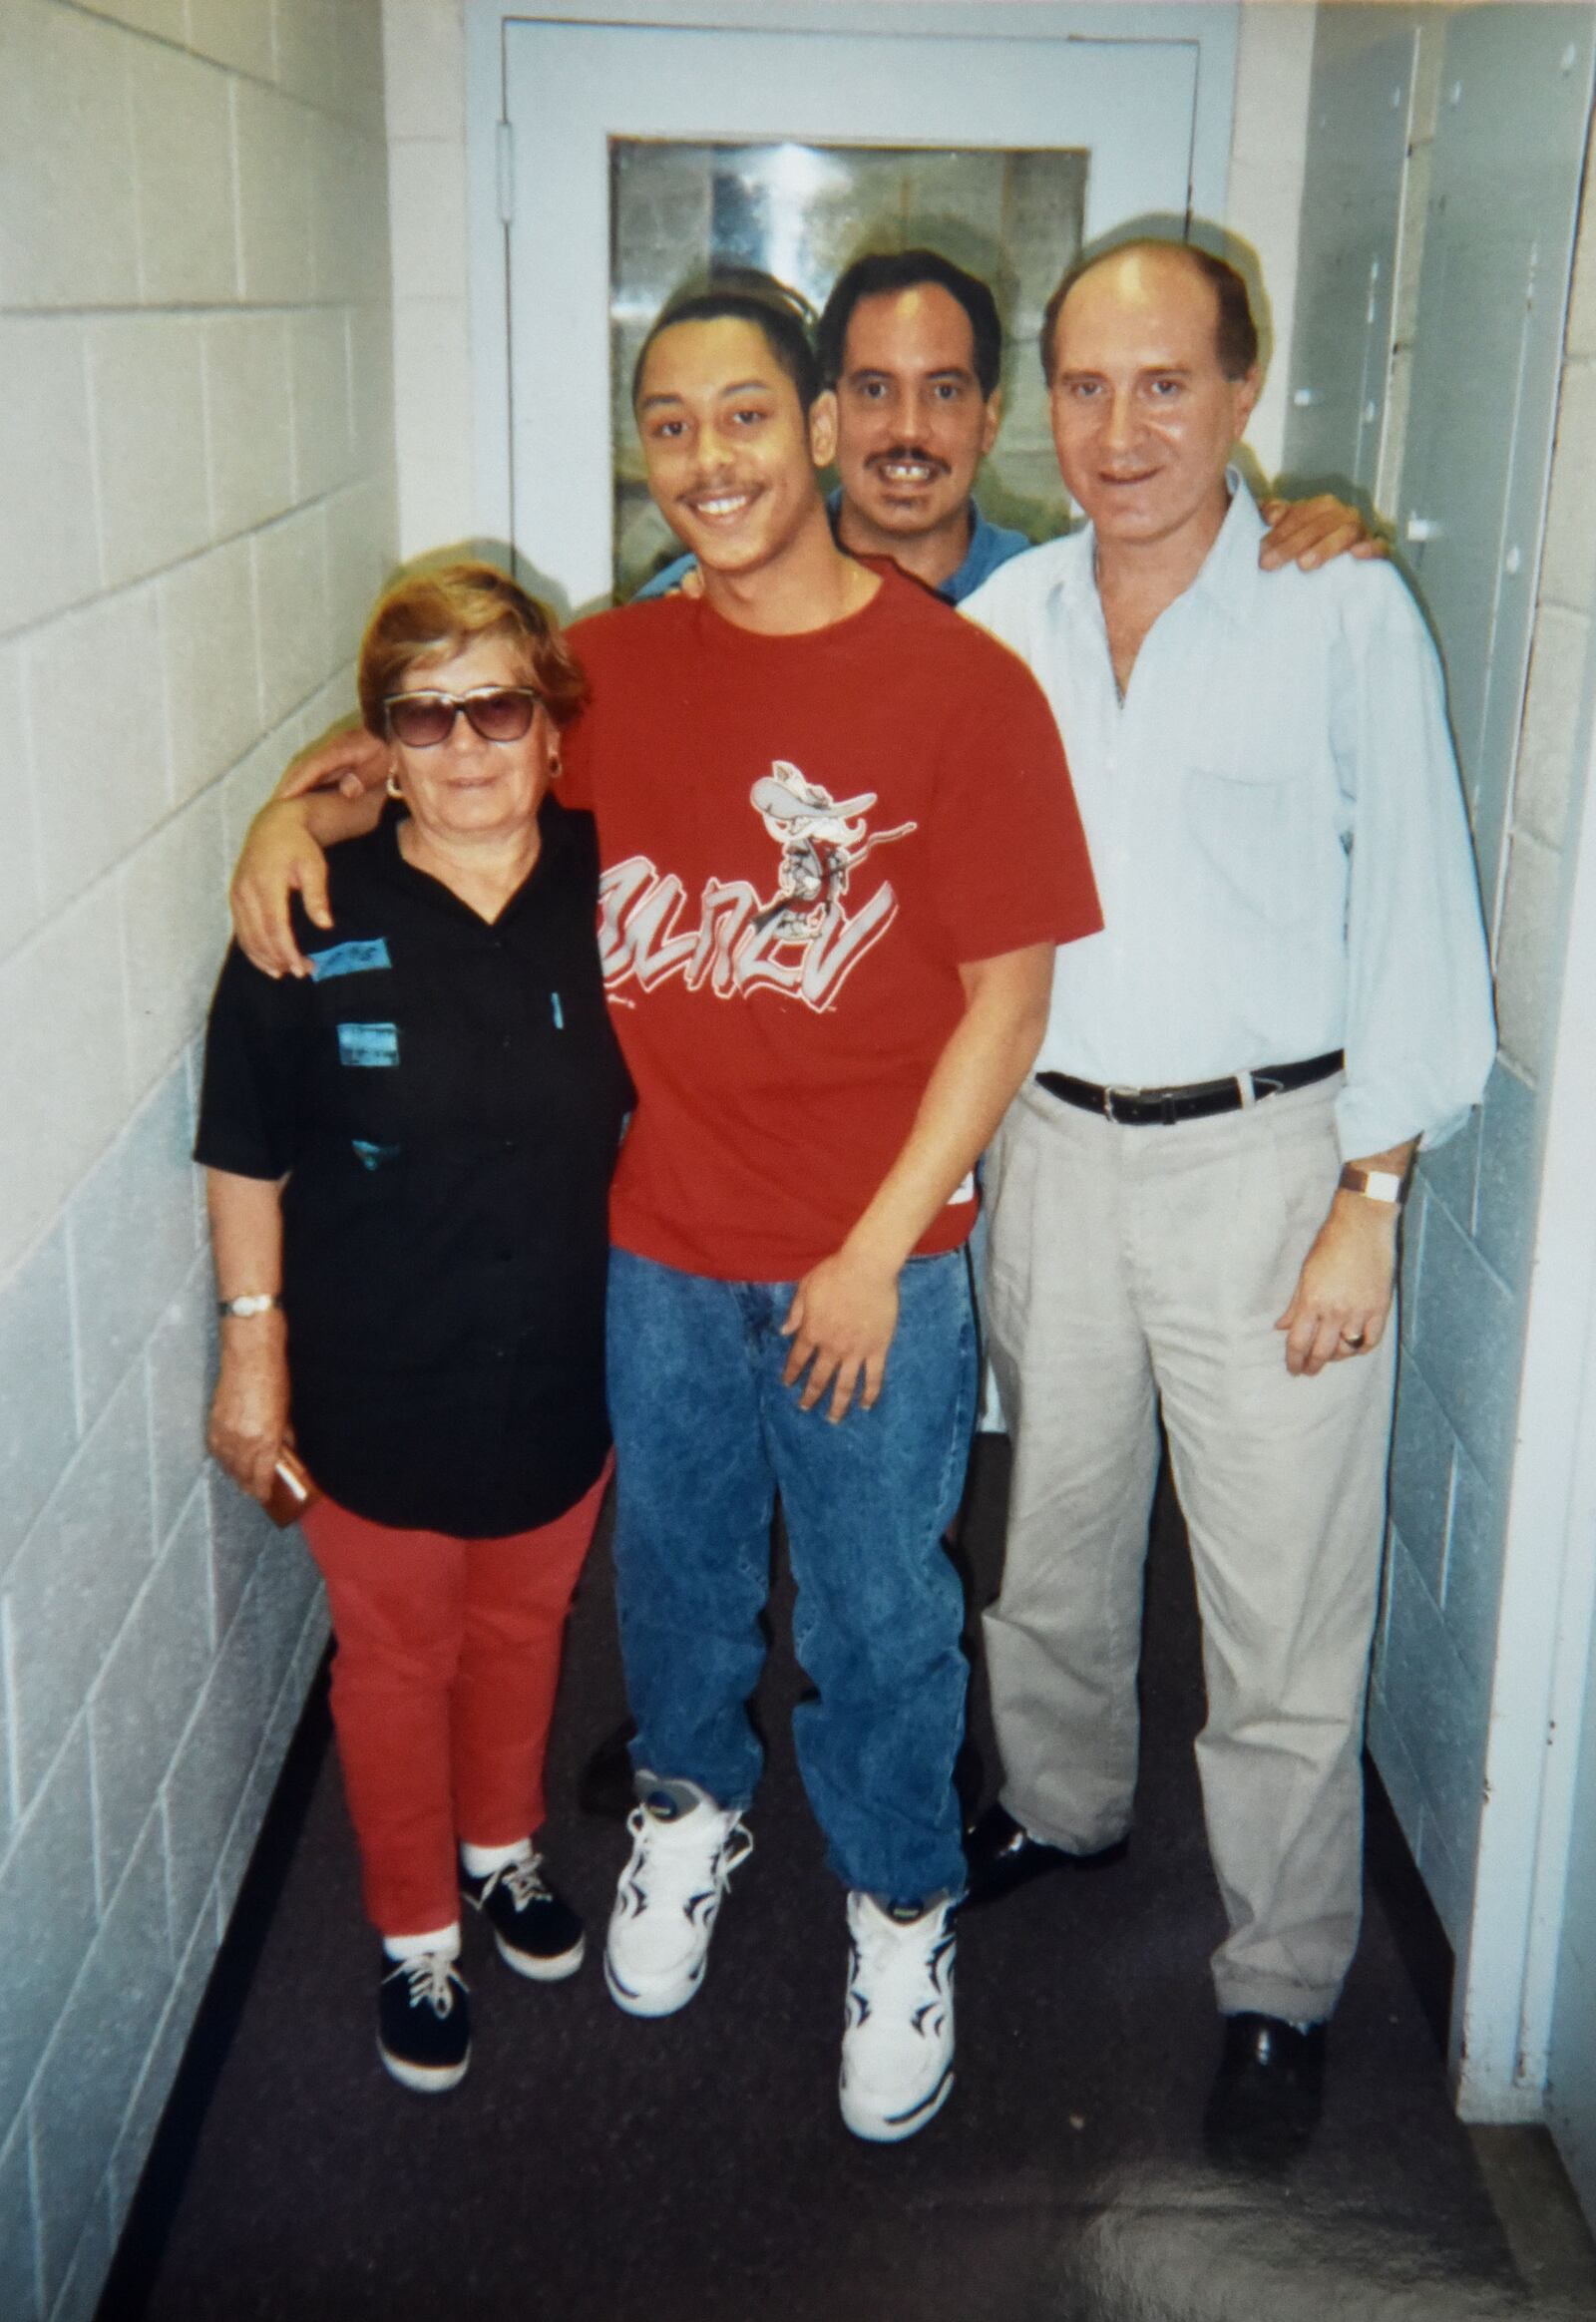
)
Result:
{"points": [[408, 1160]]}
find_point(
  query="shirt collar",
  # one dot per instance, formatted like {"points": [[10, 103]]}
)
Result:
{"points": [[1230, 572], [990, 545]]}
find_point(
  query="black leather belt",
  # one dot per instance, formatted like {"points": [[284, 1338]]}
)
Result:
{"points": [[1141, 1107]]}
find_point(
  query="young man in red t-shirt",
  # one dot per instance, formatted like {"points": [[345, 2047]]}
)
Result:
{"points": [[835, 846], [839, 846]]}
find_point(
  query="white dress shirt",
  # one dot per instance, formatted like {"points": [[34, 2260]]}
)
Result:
{"points": [[1277, 829]]}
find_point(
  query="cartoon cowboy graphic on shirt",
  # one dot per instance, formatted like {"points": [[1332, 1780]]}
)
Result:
{"points": [[821, 840], [734, 947]]}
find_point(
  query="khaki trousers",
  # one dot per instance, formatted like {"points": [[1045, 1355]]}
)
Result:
{"points": [[1133, 1269]]}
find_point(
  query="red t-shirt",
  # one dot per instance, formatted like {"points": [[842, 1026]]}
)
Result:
{"points": [[801, 838]]}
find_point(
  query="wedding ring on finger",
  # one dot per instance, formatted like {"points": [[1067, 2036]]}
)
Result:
{"points": [[1351, 1340]]}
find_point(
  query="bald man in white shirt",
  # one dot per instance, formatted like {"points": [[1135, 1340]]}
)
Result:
{"points": [[1195, 1201]]}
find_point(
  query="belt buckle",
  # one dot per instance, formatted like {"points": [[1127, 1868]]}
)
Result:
{"points": [[1109, 1095]]}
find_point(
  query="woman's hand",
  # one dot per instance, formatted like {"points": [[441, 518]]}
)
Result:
{"points": [[249, 1411]]}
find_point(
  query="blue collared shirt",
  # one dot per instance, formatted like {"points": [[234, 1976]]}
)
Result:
{"points": [[990, 545], [1276, 828]]}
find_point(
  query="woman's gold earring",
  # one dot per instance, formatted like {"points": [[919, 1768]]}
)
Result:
{"points": [[394, 790], [555, 768]]}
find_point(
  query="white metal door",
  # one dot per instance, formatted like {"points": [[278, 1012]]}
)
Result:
{"points": [[1130, 105]]}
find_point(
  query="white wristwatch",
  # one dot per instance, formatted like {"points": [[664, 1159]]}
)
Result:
{"points": [[1375, 1184], [259, 1302]]}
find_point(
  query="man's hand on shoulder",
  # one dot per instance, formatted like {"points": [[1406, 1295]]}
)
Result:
{"points": [[281, 859], [1309, 532], [331, 792], [841, 1323]]}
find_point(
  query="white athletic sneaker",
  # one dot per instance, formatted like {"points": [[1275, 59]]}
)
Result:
{"points": [[668, 1898], [897, 2020]]}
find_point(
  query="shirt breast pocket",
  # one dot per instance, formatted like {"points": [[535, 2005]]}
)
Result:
{"points": [[1250, 817]]}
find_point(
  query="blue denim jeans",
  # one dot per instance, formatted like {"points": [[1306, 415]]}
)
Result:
{"points": [[706, 1435]]}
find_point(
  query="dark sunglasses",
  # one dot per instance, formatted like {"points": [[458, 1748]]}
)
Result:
{"points": [[500, 713]]}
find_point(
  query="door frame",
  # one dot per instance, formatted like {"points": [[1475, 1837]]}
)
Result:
{"points": [[1209, 25]]}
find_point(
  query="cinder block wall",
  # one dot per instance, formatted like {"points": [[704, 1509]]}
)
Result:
{"points": [[425, 80], [195, 508], [1468, 1235]]}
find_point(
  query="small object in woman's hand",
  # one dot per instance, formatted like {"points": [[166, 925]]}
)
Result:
{"points": [[291, 1490]]}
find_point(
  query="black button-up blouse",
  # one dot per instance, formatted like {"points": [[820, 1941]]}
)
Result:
{"points": [[446, 1099]]}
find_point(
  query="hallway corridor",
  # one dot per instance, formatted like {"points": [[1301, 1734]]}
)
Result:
{"points": [[596, 2169]]}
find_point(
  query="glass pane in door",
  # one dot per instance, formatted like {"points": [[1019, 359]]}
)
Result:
{"points": [[678, 211]]}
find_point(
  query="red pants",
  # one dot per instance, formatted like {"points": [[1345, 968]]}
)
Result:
{"points": [[443, 1687]]}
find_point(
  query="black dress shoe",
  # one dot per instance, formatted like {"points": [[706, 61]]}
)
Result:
{"points": [[604, 1786], [1001, 1855], [1264, 2107]]}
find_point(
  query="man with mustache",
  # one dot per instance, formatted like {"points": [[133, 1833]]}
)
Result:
{"points": [[912, 347], [1195, 1198]]}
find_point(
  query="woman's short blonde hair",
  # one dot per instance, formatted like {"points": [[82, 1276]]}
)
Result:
{"points": [[435, 615]]}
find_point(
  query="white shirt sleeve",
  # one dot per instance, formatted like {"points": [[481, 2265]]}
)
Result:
{"points": [[1420, 1030]]}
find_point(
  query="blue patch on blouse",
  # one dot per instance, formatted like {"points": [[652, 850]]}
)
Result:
{"points": [[372, 1156], [368, 1043], [349, 958]]}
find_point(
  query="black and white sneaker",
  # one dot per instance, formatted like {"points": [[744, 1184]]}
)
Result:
{"points": [[898, 2021], [537, 1931], [424, 2022], [684, 1850]]}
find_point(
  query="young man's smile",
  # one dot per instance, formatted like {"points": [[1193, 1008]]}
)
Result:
{"points": [[723, 506]]}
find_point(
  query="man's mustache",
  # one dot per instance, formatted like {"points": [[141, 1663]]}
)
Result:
{"points": [[902, 453]]}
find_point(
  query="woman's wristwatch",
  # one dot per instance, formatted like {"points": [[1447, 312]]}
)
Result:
{"points": [[259, 1302]]}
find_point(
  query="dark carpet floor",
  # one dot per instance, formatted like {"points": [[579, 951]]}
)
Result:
{"points": [[593, 2167]]}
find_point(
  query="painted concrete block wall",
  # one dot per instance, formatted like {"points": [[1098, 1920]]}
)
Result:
{"points": [[196, 505], [425, 65], [1470, 1227]]}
